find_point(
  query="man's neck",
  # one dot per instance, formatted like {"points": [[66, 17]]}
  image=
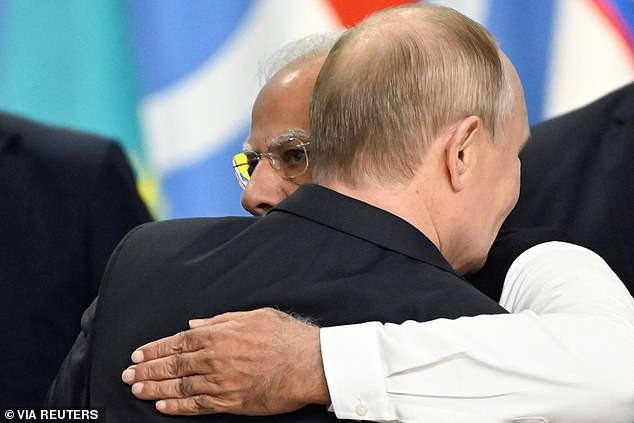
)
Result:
{"points": [[404, 202]]}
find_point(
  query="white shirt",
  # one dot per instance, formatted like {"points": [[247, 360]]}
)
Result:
{"points": [[565, 355]]}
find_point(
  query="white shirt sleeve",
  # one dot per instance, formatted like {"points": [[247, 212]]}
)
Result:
{"points": [[566, 354]]}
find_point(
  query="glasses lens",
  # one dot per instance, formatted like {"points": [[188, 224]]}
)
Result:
{"points": [[241, 167], [244, 164], [291, 159]]}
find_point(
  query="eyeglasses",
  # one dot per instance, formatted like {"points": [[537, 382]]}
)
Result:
{"points": [[288, 155]]}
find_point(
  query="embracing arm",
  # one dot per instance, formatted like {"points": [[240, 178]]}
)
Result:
{"points": [[565, 355], [261, 362]]}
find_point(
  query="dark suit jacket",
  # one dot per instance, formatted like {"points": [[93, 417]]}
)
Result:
{"points": [[318, 253], [578, 176], [66, 200]]}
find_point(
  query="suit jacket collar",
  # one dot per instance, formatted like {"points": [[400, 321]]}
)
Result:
{"points": [[362, 220]]}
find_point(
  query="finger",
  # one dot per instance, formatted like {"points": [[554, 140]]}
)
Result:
{"points": [[196, 323], [234, 315], [174, 366], [198, 404], [185, 341], [221, 318], [175, 388]]}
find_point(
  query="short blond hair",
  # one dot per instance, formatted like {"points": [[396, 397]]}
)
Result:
{"points": [[392, 83]]}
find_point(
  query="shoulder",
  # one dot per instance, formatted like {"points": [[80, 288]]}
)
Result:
{"points": [[181, 236], [56, 146], [198, 225], [588, 121], [65, 160], [577, 150], [508, 246], [563, 273], [153, 246]]}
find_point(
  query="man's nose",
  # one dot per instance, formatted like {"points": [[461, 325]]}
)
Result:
{"points": [[265, 189]]}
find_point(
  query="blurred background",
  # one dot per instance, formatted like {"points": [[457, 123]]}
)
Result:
{"points": [[174, 81]]}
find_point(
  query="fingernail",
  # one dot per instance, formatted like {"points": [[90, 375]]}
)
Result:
{"points": [[194, 323], [137, 356], [160, 405], [137, 388], [128, 376]]}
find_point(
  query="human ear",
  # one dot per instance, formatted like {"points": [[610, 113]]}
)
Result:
{"points": [[460, 150]]}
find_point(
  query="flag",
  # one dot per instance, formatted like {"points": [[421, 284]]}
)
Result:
{"points": [[567, 52], [174, 80]]}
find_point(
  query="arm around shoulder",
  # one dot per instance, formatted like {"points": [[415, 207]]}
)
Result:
{"points": [[564, 355]]}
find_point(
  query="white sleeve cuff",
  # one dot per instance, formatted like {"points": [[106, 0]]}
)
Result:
{"points": [[354, 372]]}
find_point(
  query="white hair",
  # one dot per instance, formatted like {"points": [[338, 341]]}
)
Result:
{"points": [[314, 45]]}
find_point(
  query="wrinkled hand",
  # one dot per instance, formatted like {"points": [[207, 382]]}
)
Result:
{"points": [[259, 362]]}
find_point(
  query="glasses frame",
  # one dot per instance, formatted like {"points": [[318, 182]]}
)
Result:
{"points": [[241, 161]]}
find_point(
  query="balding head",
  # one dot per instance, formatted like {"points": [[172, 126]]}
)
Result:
{"points": [[391, 83]]}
